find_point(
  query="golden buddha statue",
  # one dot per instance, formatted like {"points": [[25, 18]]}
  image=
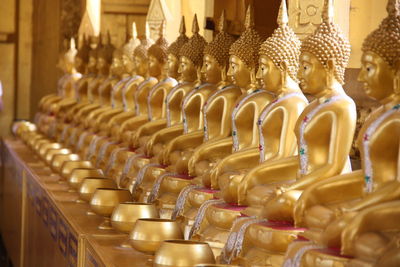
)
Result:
{"points": [[191, 57], [278, 65], [150, 97], [324, 212], [50, 105], [272, 189], [128, 49], [178, 151], [243, 63]]}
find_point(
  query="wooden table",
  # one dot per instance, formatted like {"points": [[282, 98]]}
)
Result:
{"points": [[43, 225]]}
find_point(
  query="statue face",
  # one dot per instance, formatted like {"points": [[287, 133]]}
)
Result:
{"points": [[69, 66], [79, 65], [312, 74], [270, 74], [376, 75], [128, 64], [117, 68], [141, 65], [173, 65], [102, 66], [187, 69], [239, 72], [211, 70], [155, 66], [92, 65]]}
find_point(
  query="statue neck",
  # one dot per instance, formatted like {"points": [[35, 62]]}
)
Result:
{"points": [[289, 87], [390, 101], [335, 88]]}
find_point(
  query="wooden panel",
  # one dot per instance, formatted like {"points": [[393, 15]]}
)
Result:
{"points": [[125, 6], [46, 32]]}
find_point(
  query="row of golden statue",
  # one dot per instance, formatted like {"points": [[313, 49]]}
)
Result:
{"points": [[215, 147]]}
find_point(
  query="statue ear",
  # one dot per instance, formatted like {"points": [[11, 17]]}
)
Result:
{"points": [[253, 77], [223, 73], [330, 66], [396, 80]]}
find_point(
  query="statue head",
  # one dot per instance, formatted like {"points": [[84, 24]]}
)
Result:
{"points": [[93, 54], [243, 60], [127, 50], [324, 55], [140, 56], [191, 53], [279, 55], [381, 55], [158, 55], [69, 57], [117, 67], [82, 56], [105, 56], [173, 52], [216, 54]]}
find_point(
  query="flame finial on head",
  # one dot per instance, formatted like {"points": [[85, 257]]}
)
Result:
{"points": [[176, 46], [222, 25], [329, 43], [328, 13], [248, 44], [283, 18], [385, 41], [134, 30], [160, 47], [194, 48], [195, 25], [249, 20], [219, 47], [283, 46]]}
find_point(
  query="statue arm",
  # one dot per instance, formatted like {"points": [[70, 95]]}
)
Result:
{"points": [[148, 129], [388, 192], [190, 140], [241, 160], [163, 136], [268, 172], [378, 218], [326, 192], [221, 147], [341, 136]]}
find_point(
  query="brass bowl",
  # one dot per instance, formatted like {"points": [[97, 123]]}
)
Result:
{"points": [[52, 152], [44, 147], [148, 234], [78, 175], [90, 184], [59, 159], [183, 253], [68, 167], [216, 265], [126, 214], [36, 143], [104, 201]]}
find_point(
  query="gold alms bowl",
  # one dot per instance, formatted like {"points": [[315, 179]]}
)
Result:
{"points": [[104, 201], [59, 159], [55, 151], [78, 175], [126, 214], [148, 234], [46, 146], [89, 186], [69, 166], [183, 253], [216, 265]]}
